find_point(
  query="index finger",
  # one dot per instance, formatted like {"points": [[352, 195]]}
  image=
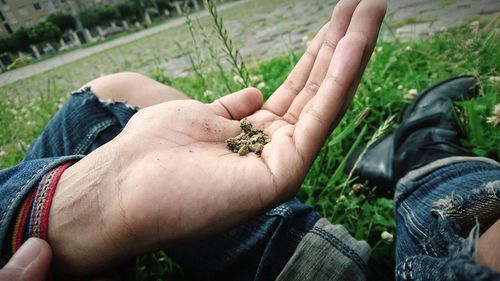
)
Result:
{"points": [[322, 111]]}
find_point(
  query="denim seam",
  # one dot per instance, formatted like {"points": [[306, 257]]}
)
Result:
{"points": [[412, 220], [340, 246], [430, 179], [80, 149], [420, 172], [14, 199]]}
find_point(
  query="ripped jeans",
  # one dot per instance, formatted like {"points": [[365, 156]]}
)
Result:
{"points": [[440, 211], [436, 208]]}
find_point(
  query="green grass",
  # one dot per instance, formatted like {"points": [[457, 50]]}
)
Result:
{"points": [[395, 68]]}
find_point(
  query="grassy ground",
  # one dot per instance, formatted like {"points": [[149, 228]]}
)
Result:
{"points": [[394, 70]]}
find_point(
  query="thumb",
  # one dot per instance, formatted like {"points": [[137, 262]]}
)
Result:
{"points": [[30, 263], [238, 105]]}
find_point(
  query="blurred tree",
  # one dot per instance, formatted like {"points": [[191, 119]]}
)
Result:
{"points": [[100, 15], [164, 5], [43, 32], [128, 11], [20, 41], [6, 45], [62, 20], [107, 13], [89, 18]]}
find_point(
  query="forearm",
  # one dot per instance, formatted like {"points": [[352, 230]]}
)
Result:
{"points": [[85, 221], [487, 249]]}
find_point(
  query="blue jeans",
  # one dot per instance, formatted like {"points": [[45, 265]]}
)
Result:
{"points": [[259, 249], [440, 211], [290, 242]]}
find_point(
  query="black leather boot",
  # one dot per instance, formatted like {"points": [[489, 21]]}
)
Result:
{"points": [[428, 132]]}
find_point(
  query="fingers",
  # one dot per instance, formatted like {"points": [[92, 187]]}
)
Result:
{"points": [[281, 99], [341, 18], [315, 60], [238, 105], [322, 111], [30, 263]]}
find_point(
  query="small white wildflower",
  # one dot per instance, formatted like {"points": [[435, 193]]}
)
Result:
{"points": [[2, 152], [380, 49], [256, 78], [494, 79], [496, 110], [357, 187], [387, 236], [378, 89], [400, 87], [408, 48], [474, 27], [238, 80], [443, 29], [411, 94], [495, 119], [261, 85], [342, 197], [208, 93]]}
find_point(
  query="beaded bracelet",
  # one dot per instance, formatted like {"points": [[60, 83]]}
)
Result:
{"points": [[33, 215]]}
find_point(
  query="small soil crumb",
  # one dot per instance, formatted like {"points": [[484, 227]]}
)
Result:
{"points": [[250, 140]]}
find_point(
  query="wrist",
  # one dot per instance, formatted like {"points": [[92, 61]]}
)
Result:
{"points": [[85, 230]]}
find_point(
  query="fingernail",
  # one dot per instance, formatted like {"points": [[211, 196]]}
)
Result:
{"points": [[26, 254]]}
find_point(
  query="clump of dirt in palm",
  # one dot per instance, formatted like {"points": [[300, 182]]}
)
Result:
{"points": [[250, 140]]}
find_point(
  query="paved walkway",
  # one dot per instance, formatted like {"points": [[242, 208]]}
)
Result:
{"points": [[265, 35]]}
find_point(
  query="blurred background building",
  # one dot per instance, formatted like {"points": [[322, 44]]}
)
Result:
{"points": [[15, 14]]}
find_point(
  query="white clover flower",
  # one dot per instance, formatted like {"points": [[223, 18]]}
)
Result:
{"points": [[474, 27], [400, 87], [408, 48], [494, 79], [495, 119], [380, 49], [237, 79], [208, 93], [261, 85], [411, 94], [256, 78], [387, 236]]}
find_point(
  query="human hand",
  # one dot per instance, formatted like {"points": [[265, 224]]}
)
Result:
{"points": [[30, 263], [168, 177]]}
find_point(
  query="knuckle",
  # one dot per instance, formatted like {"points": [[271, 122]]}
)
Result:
{"points": [[312, 87], [291, 85], [329, 44], [316, 115]]}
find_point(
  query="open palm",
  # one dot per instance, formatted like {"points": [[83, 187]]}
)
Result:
{"points": [[196, 186], [169, 176]]}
